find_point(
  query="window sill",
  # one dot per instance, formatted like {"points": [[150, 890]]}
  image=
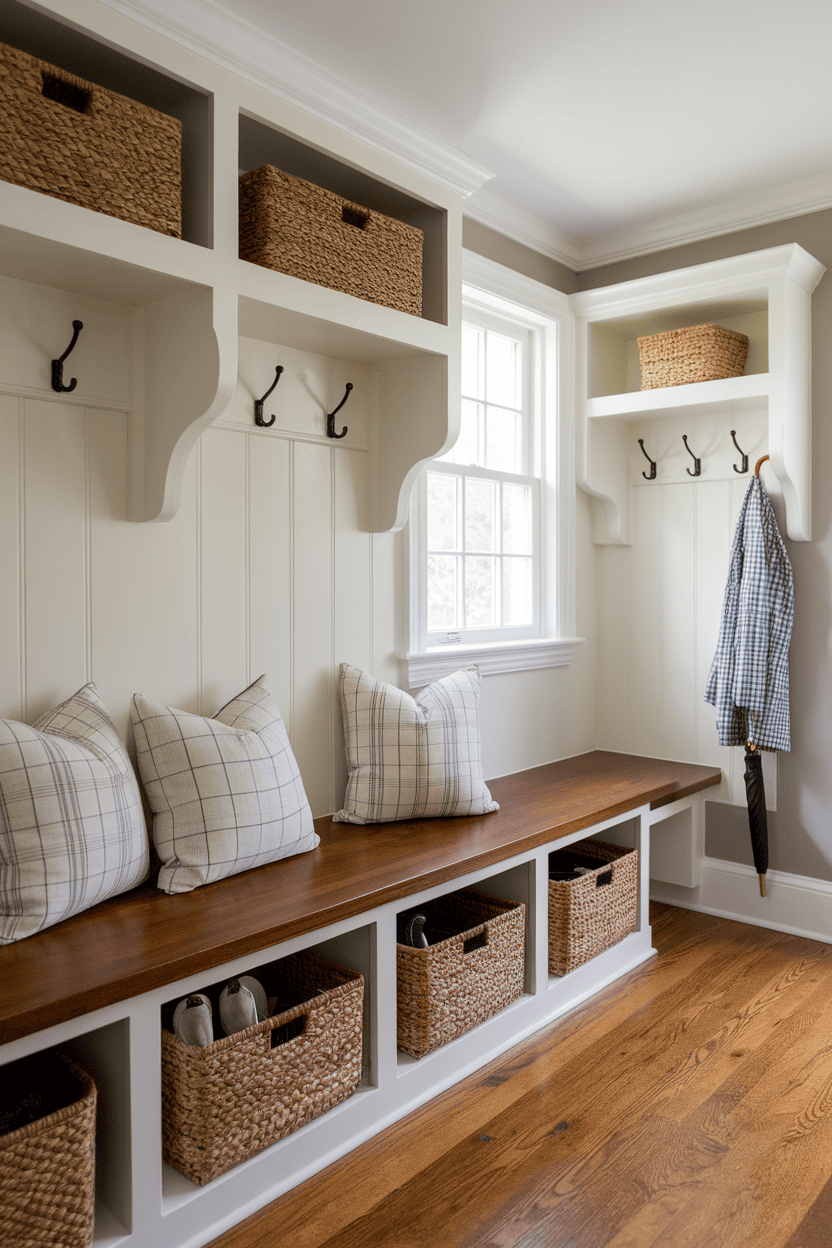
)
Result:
{"points": [[504, 656]]}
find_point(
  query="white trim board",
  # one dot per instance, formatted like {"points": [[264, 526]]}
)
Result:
{"points": [[798, 904]]}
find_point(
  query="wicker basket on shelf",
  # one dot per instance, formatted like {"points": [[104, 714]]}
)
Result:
{"points": [[592, 912], [224, 1103], [472, 969], [699, 353], [73, 140], [47, 1166], [295, 227]]}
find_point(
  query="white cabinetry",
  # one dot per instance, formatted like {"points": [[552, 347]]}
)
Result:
{"points": [[766, 295], [192, 297]]}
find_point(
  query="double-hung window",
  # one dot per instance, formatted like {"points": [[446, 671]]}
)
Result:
{"points": [[492, 519], [482, 498]]}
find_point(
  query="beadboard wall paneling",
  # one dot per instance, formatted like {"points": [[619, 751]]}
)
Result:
{"points": [[660, 604], [266, 568], [12, 598]]}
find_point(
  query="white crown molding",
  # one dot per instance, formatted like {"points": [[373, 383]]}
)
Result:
{"points": [[739, 212], [234, 44], [724, 216], [524, 227]]}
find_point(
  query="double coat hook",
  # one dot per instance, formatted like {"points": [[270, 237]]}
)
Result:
{"points": [[330, 420], [58, 365], [697, 463], [651, 475], [258, 403], [744, 467]]}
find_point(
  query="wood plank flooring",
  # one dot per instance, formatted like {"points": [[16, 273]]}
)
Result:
{"points": [[689, 1104]]}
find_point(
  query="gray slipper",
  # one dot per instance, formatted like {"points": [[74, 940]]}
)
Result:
{"points": [[242, 1004], [192, 1021]]}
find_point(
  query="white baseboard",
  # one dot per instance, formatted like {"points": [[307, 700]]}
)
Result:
{"points": [[798, 904]]}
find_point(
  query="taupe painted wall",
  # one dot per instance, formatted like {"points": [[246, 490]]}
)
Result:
{"points": [[506, 251]]}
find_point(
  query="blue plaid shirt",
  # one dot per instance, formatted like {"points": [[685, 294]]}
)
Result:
{"points": [[749, 679]]}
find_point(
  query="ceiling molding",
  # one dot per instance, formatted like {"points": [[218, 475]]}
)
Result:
{"points": [[722, 216], [524, 227], [214, 33]]}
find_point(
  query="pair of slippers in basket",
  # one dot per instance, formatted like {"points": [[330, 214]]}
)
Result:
{"points": [[242, 1004]]}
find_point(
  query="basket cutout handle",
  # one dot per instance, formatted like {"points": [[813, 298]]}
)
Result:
{"points": [[64, 91], [359, 217], [603, 877], [288, 1031], [475, 942]]}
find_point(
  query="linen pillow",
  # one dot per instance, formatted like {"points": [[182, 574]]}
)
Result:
{"points": [[412, 758], [72, 830], [226, 793]]}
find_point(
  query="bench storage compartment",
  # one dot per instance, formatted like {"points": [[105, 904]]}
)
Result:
{"points": [[224, 1103], [47, 1164], [472, 969], [591, 912]]}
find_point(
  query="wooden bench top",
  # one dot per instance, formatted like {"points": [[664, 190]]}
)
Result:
{"points": [[145, 939]]}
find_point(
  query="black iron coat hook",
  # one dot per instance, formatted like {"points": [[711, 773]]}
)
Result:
{"points": [[651, 475], [58, 365], [330, 420], [744, 456], [258, 403], [697, 463]]}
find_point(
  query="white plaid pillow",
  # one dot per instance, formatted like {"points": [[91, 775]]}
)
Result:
{"points": [[226, 793], [412, 758], [72, 831]]}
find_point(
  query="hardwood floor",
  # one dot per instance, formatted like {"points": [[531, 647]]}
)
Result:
{"points": [[690, 1104]]}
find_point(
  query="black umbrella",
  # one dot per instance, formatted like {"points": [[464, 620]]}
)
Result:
{"points": [[755, 793]]}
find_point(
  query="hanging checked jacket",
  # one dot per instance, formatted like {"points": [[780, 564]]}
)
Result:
{"points": [[749, 679]]}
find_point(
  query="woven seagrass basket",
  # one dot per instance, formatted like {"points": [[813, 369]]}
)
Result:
{"points": [[474, 970], [295, 227], [76, 141], [592, 912], [699, 353], [47, 1167], [224, 1103]]}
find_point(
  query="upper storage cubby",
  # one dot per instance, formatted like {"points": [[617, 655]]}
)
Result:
{"points": [[193, 297], [765, 295]]}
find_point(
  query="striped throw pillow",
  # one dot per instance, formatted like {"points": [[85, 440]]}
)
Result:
{"points": [[226, 793], [412, 758], [72, 831]]}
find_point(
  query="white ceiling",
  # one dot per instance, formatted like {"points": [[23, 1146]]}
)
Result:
{"points": [[607, 124]]}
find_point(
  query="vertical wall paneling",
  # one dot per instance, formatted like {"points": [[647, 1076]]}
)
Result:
{"points": [[678, 619], [57, 533], [270, 567], [312, 596], [352, 631], [12, 687], [644, 623], [223, 607]]}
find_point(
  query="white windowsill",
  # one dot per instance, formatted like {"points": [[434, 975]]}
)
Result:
{"points": [[501, 656]]}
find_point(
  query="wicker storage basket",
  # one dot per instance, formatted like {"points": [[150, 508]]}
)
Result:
{"points": [[700, 353], [47, 1167], [224, 1103], [73, 140], [301, 229], [475, 969], [592, 912]]}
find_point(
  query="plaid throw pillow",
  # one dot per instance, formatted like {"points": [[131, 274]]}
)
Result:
{"points": [[412, 758], [72, 830], [226, 793]]}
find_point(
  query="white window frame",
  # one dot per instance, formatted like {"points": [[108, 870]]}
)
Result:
{"points": [[495, 289]]}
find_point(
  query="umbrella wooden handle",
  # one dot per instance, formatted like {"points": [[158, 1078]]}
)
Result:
{"points": [[759, 464]]}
